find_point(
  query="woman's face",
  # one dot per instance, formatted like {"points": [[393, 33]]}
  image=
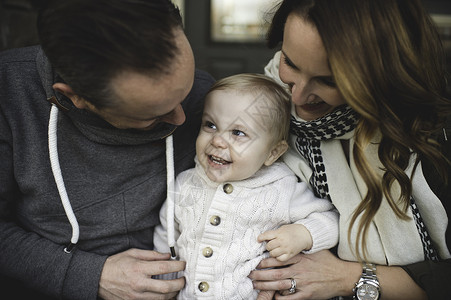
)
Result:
{"points": [[304, 67]]}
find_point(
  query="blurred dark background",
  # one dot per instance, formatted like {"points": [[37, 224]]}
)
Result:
{"points": [[18, 17]]}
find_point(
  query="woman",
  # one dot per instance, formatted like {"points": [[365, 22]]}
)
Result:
{"points": [[368, 82]]}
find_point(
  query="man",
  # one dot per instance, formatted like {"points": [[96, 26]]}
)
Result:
{"points": [[83, 124]]}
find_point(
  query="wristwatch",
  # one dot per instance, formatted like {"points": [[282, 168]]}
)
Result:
{"points": [[367, 288]]}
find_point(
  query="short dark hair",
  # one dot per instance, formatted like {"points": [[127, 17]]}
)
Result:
{"points": [[88, 42]]}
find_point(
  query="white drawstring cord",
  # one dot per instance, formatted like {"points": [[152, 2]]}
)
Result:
{"points": [[170, 194], [56, 169]]}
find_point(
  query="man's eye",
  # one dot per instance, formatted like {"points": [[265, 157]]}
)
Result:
{"points": [[238, 132], [329, 82]]}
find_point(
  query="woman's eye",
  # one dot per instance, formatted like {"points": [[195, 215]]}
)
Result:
{"points": [[238, 132], [289, 63]]}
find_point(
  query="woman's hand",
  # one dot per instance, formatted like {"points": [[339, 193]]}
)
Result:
{"points": [[318, 276], [322, 275]]}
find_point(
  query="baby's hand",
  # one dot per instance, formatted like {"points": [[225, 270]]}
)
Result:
{"points": [[286, 241]]}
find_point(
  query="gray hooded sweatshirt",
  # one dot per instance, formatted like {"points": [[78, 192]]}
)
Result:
{"points": [[115, 180]]}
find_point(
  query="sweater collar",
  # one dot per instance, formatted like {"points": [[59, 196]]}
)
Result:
{"points": [[98, 130], [266, 175]]}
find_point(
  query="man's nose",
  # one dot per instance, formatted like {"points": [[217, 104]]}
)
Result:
{"points": [[176, 117]]}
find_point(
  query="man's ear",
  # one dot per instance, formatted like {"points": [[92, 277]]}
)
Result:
{"points": [[67, 91], [276, 152]]}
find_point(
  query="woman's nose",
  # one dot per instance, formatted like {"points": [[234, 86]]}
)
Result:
{"points": [[298, 91]]}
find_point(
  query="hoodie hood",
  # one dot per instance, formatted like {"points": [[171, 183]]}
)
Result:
{"points": [[56, 170], [97, 130]]}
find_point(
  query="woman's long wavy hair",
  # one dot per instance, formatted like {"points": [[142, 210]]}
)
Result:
{"points": [[388, 62]]}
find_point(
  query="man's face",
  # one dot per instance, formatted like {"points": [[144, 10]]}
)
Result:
{"points": [[144, 101]]}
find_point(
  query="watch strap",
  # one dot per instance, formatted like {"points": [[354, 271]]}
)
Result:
{"points": [[369, 270], [368, 277]]}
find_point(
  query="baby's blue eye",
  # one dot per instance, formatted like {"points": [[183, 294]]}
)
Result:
{"points": [[210, 125], [238, 132]]}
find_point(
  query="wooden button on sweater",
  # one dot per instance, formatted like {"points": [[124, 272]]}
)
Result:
{"points": [[228, 188], [203, 287], [215, 220], [207, 252]]}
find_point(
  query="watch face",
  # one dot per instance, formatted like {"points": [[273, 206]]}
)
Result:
{"points": [[367, 292]]}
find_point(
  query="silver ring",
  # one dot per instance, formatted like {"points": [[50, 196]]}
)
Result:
{"points": [[292, 289]]}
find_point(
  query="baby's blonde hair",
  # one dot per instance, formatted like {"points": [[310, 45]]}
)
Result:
{"points": [[277, 109]]}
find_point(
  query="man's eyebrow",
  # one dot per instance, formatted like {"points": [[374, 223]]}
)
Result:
{"points": [[326, 77]]}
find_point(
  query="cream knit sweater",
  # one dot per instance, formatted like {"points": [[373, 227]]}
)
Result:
{"points": [[224, 220]]}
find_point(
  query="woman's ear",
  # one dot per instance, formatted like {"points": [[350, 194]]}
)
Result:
{"points": [[276, 152], [67, 91]]}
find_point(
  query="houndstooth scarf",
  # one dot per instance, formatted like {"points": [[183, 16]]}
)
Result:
{"points": [[309, 136], [335, 124]]}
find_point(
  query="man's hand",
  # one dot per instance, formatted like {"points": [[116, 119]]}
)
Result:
{"points": [[128, 275]]}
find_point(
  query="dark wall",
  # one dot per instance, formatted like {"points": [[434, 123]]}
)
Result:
{"points": [[220, 59], [17, 24], [438, 6], [17, 29]]}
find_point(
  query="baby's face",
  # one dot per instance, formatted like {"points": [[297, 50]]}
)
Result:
{"points": [[235, 139]]}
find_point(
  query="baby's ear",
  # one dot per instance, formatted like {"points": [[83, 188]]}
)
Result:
{"points": [[276, 152]]}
